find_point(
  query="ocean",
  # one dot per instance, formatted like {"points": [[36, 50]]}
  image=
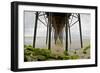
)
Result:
{"points": [[41, 43]]}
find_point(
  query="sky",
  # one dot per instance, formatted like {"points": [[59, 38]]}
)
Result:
{"points": [[29, 22]]}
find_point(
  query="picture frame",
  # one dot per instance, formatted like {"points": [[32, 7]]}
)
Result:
{"points": [[22, 14]]}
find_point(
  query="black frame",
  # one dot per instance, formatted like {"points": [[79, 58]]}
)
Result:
{"points": [[14, 35]]}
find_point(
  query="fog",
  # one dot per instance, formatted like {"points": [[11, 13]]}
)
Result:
{"points": [[29, 22]]}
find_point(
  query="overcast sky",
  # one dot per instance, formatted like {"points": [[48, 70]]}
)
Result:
{"points": [[30, 21]]}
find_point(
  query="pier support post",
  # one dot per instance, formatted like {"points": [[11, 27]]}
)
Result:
{"points": [[49, 24], [66, 32], [35, 29], [80, 30]]}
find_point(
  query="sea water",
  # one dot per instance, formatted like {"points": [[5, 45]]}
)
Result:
{"points": [[41, 43]]}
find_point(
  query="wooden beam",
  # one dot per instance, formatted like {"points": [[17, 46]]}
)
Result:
{"points": [[47, 30], [42, 22], [35, 29], [66, 30], [49, 42], [80, 30], [70, 34], [47, 34], [74, 23]]}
